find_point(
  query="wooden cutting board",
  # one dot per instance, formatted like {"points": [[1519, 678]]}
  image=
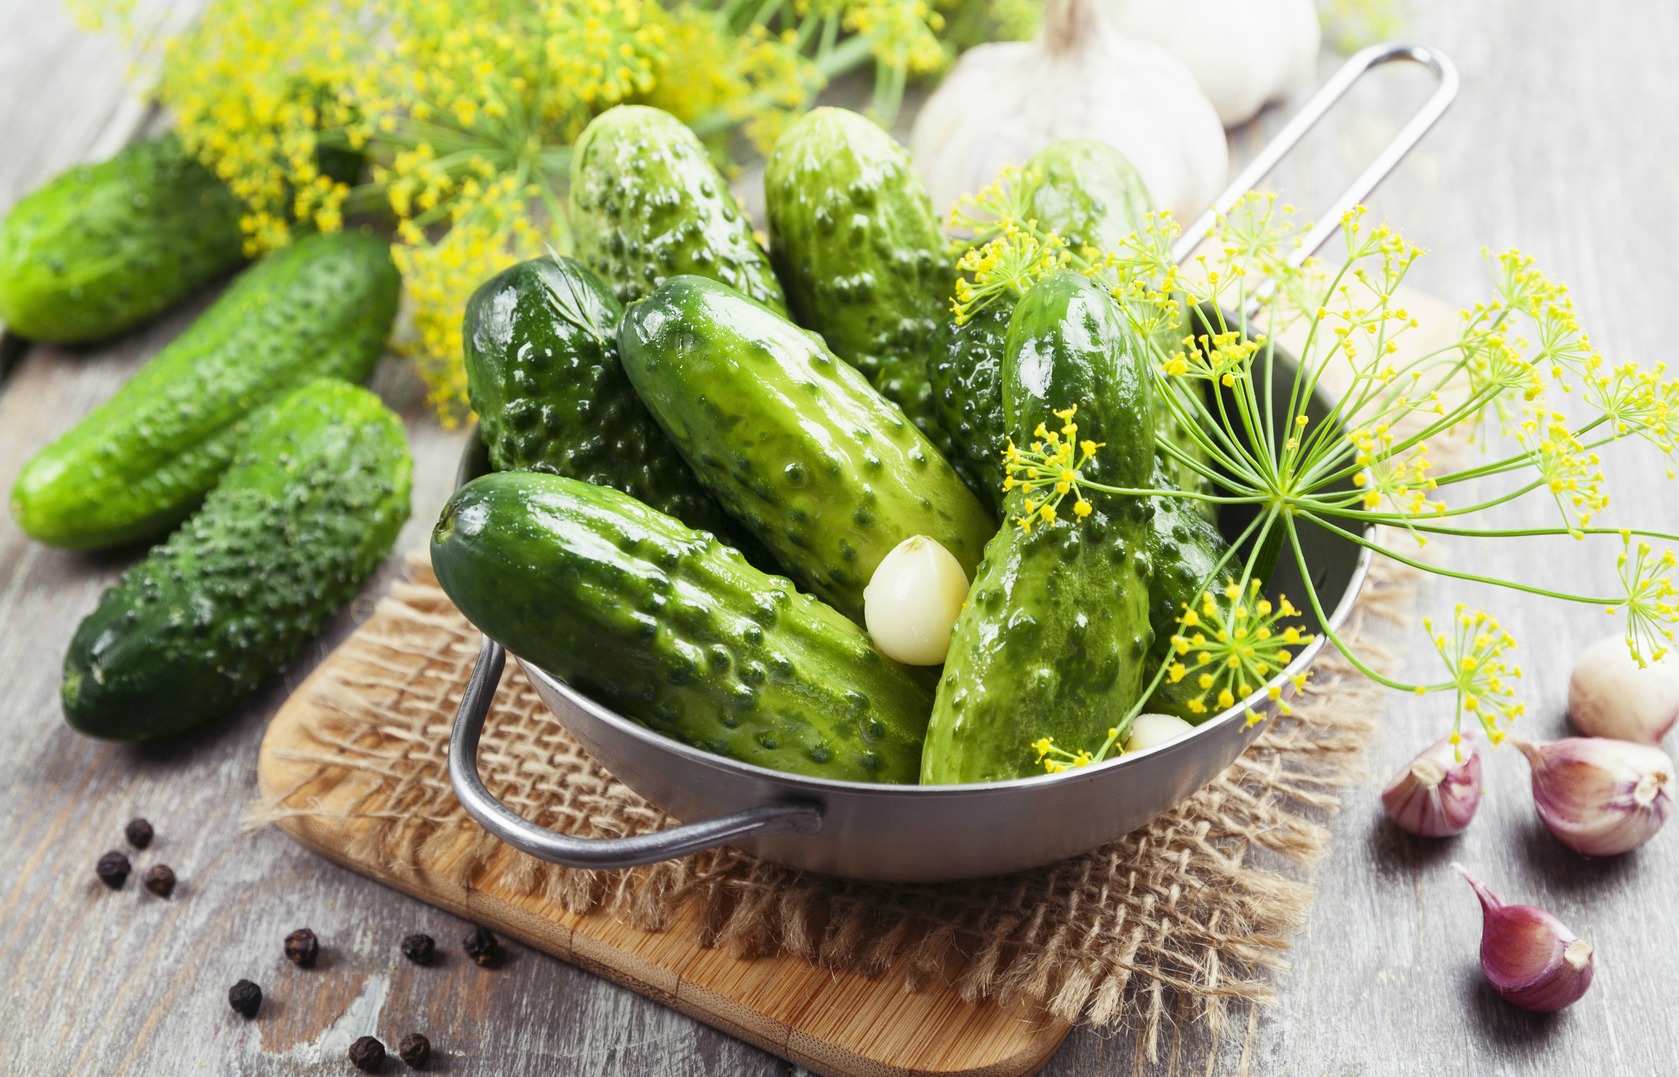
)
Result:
{"points": [[833, 1022]]}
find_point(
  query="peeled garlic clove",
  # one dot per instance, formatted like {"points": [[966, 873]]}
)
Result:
{"points": [[1529, 956], [1148, 730], [912, 601], [1437, 793], [1599, 796], [1610, 696]]}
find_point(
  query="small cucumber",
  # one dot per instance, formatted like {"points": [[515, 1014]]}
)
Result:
{"points": [[306, 512], [647, 203], [856, 242], [542, 371], [796, 444], [1054, 638], [1185, 547], [103, 248], [140, 462], [672, 628]]}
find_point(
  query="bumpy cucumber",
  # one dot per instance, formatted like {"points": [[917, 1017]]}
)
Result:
{"points": [[1055, 636], [140, 462], [103, 248], [647, 203], [672, 628], [796, 444], [1087, 193], [542, 371], [856, 242], [306, 512]]}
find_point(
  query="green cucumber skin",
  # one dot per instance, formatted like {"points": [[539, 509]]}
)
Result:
{"points": [[307, 511], [1054, 639], [1088, 194], [858, 246], [542, 371], [140, 462], [673, 629], [103, 248], [647, 204], [823, 470], [964, 371]]}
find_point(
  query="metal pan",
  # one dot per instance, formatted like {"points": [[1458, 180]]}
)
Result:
{"points": [[928, 833]]}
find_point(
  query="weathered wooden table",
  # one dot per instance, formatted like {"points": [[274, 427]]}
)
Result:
{"points": [[1562, 143]]}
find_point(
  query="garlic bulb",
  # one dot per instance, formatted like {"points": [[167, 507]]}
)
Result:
{"points": [[1006, 100], [1599, 796], [1147, 730], [1259, 50], [1529, 956], [912, 600], [1436, 794], [1610, 696]]}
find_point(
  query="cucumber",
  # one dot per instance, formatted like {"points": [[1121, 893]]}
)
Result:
{"points": [[857, 244], [1184, 546], [306, 512], [140, 462], [103, 248], [1087, 193], [1055, 636], [542, 372], [647, 203], [675, 630], [796, 444]]}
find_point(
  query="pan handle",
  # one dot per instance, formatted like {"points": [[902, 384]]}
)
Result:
{"points": [[596, 853]]}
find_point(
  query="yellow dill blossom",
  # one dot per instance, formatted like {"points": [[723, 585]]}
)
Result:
{"points": [[1474, 653], [1651, 604], [1055, 759], [1222, 357], [1048, 471], [1004, 267], [1233, 645], [1570, 473]]}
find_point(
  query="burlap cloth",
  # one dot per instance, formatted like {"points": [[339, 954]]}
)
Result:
{"points": [[1181, 918]]}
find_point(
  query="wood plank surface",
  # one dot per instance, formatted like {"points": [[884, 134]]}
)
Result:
{"points": [[1563, 143]]}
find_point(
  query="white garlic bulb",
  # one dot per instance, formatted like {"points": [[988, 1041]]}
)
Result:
{"points": [[912, 600], [1147, 730], [1078, 78], [1610, 696], [1243, 53]]}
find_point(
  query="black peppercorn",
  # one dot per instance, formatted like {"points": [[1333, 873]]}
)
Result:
{"points": [[415, 1050], [302, 948], [138, 832], [418, 949], [245, 997], [160, 880], [367, 1054], [482, 947], [113, 869]]}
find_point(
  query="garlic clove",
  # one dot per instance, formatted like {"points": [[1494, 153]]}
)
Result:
{"points": [[1436, 795], [1609, 695], [1529, 956], [911, 601], [1148, 730], [1599, 796]]}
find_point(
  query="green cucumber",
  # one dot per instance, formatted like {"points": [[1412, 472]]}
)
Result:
{"points": [[307, 511], [855, 240], [647, 203], [1087, 193], [140, 462], [796, 444], [103, 248], [675, 630], [1054, 639], [542, 371]]}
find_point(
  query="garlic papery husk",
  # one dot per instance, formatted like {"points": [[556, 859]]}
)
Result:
{"points": [[912, 600], [1259, 50], [1436, 794], [1600, 796], [1004, 101], [1609, 695], [1528, 955], [1148, 730]]}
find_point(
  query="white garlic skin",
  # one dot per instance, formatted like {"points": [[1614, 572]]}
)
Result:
{"points": [[1436, 794], [1005, 101], [912, 600], [1610, 696], [1529, 956], [1598, 796], [1148, 730]]}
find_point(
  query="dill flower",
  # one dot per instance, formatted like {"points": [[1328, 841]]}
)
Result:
{"points": [[1049, 471], [1231, 648], [1651, 604], [1474, 654]]}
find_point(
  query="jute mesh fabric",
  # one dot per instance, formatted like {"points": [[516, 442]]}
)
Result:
{"points": [[1182, 918]]}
